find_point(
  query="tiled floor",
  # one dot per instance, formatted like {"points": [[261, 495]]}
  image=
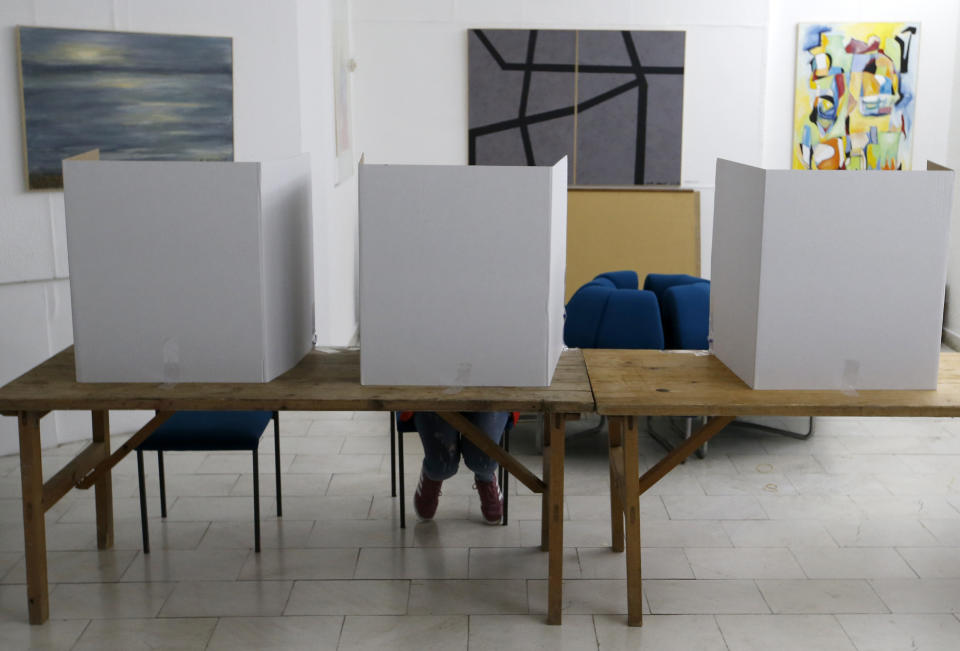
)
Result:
{"points": [[849, 540]]}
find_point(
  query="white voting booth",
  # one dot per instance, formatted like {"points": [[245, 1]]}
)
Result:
{"points": [[461, 274], [829, 280], [189, 271]]}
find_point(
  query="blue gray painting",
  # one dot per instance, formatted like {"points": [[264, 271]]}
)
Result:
{"points": [[132, 96]]}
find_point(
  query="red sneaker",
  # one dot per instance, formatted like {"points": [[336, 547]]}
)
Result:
{"points": [[427, 497], [491, 500]]}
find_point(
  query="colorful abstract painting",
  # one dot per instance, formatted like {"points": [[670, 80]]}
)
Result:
{"points": [[611, 101], [132, 96], [855, 96]]}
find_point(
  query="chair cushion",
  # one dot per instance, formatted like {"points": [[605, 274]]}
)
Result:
{"points": [[622, 279], [210, 430], [631, 320], [686, 308], [585, 313], [659, 284]]}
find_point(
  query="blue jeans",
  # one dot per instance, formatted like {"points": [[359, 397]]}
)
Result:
{"points": [[443, 445]]}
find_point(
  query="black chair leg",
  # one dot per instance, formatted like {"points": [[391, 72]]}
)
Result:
{"points": [[506, 478], [393, 454], [403, 499], [256, 503], [163, 485], [276, 456], [143, 503]]}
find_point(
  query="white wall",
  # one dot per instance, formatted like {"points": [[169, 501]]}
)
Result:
{"points": [[412, 77], [277, 47], [951, 317]]}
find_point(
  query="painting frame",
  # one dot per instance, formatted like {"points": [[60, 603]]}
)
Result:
{"points": [[221, 99]]}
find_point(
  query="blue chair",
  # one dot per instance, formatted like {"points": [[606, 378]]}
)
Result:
{"points": [[610, 312], [210, 431], [398, 427], [685, 308]]}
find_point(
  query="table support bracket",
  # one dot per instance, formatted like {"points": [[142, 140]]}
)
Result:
{"points": [[682, 451], [106, 465]]}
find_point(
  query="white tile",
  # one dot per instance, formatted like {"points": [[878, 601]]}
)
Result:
{"points": [[743, 563], [932, 463], [922, 484], [360, 533], [295, 564], [820, 596], [582, 596], [465, 533], [256, 633], [811, 507], [131, 634], [307, 445], [714, 507], [895, 632], [227, 599], [582, 533], [338, 507], [468, 597], [349, 427], [657, 563], [412, 563], [906, 507], [704, 597], [874, 464], [684, 533], [187, 565], [947, 532], [852, 563], [531, 633], [919, 595], [829, 484], [518, 563], [335, 463], [783, 632], [108, 600], [353, 597], [403, 633], [290, 485], [598, 507], [359, 483], [274, 533], [206, 509], [78, 567], [748, 484], [778, 533], [54, 635], [660, 633], [234, 464], [776, 464], [880, 533]]}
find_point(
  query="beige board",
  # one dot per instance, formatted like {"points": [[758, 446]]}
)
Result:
{"points": [[647, 230]]}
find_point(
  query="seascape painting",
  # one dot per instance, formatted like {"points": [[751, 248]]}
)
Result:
{"points": [[855, 96], [133, 96]]}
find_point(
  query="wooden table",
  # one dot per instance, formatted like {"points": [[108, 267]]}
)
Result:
{"points": [[693, 383], [323, 381]]}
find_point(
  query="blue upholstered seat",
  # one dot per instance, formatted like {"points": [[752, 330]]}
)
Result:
{"points": [[610, 312], [686, 314], [210, 430]]}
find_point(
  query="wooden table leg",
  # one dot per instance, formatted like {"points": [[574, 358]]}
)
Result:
{"points": [[34, 532], [616, 482], [631, 505], [554, 494], [103, 488], [545, 497]]}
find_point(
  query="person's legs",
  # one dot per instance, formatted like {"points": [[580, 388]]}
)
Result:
{"points": [[441, 445], [441, 457], [484, 468], [492, 423]]}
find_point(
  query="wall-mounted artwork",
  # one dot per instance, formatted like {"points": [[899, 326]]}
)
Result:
{"points": [[612, 101], [855, 96], [132, 96]]}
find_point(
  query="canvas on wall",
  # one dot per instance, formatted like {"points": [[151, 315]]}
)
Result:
{"points": [[133, 96], [612, 101], [855, 96]]}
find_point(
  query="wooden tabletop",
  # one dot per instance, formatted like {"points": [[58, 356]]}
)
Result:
{"points": [[695, 383], [327, 380]]}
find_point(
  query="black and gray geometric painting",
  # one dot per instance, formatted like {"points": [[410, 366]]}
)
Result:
{"points": [[611, 101]]}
